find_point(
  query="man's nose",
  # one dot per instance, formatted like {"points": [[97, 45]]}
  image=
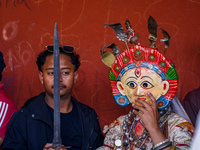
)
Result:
{"points": [[61, 77]]}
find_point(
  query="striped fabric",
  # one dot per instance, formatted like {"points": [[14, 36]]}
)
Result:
{"points": [[3, 111]]}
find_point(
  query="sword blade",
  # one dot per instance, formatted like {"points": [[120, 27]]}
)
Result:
{"points": [[56, 57]]}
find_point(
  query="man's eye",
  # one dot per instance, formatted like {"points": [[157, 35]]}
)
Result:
{"points": [[50, 73], [146, 85], [65, 73], [132, 84]]}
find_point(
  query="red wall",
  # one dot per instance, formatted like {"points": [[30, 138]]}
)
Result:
{"points": [[26, 26]]}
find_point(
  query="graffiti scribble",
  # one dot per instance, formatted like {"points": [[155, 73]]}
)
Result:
{"points": [[14, 3]]}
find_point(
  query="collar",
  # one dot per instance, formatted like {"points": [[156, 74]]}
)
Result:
{"points": [[38, 109]]}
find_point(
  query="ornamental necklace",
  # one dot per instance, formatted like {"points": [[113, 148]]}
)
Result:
{"points": [[129, 137]]}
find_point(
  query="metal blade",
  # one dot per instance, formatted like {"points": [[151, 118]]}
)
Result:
{"points": [[56, 58], [166, 39], [152, 27]]}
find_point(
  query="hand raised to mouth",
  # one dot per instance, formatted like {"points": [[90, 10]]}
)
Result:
{"points": [[148, 114]]}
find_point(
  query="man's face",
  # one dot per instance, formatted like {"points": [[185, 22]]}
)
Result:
{"points": [[67, 75], [136, 83]]}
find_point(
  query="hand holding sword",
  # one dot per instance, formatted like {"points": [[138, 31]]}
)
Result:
{"points": [[50, 145]]}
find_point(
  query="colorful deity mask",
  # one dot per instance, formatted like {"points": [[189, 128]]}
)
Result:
{"points": [[139, 70]]}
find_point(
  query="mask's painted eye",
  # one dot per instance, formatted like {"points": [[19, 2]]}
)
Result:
{"points": [[146, 85], [132, 84]]}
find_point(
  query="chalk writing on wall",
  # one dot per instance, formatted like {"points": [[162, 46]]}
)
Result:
{"points": [[14, 3], [13, 28]]}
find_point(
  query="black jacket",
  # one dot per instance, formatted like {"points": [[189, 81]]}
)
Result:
{"points": [[31, 127]]}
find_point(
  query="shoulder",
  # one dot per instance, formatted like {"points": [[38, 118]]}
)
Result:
{"points": [[180, 131], [34, 100], [117, 122], [5, 99], [173, 117], [18, 120], [193, 96], [195, 91], [115, 126], [112, 131], [22, 114], [175, 121], [85, 109]]}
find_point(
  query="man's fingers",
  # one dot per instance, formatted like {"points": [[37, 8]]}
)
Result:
{"points": [[138, 107], [136, 112], [151, 96], [145, 104], [47, 146], [152, 99]]}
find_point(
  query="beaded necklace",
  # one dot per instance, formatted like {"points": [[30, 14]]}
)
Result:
{"points": [[129, 139]]}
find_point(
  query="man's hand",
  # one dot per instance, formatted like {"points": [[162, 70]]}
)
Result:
{"points": [[148, 114], [50, 144]]}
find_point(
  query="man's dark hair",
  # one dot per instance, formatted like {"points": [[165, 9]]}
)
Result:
{"points": [[41, 59]]}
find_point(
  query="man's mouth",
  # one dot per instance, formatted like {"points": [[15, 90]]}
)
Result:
{"points": [[61, 87]]}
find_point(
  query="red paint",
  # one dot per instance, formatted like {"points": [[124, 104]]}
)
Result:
{"points": [[121, 86], [164, 86]]}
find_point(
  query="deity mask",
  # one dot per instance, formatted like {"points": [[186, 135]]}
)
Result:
{"points": [[139, 70]]}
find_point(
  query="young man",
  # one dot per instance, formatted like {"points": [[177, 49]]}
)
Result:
{"points": [[31, 128], [7, 107]]}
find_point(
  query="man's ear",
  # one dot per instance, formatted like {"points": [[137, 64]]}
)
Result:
{"points": [[75, 76], [120, 88], [165, 85], [41, 77]]}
